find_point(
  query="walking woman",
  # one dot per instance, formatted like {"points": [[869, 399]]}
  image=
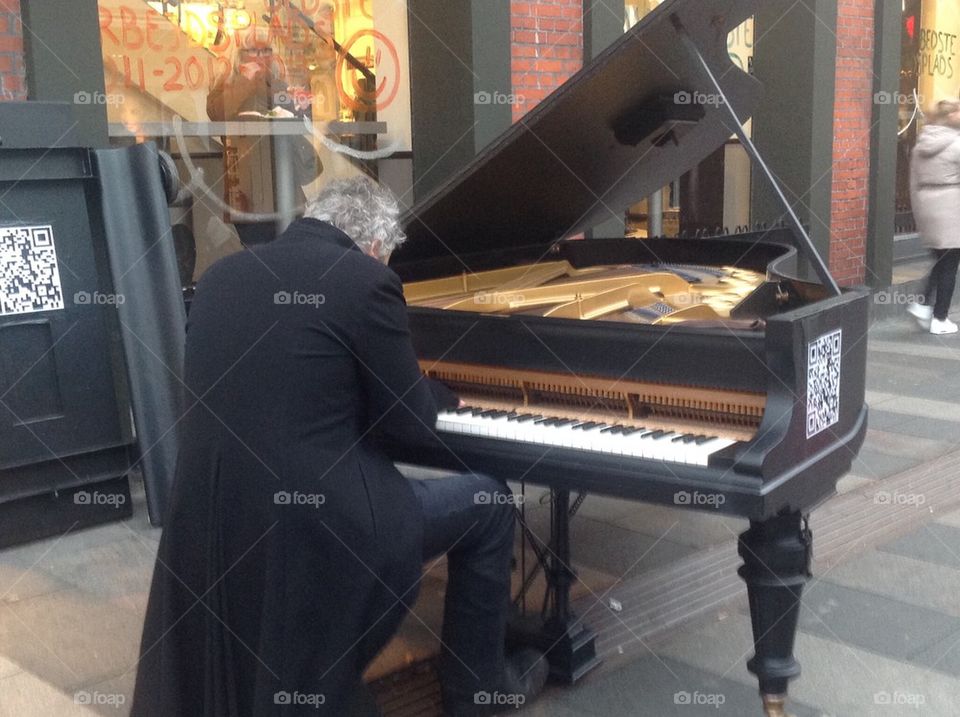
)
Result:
{"points": [[935, 192]]}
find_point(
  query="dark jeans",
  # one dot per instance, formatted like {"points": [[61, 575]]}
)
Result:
{"points": [[943, 281], [469, 518]]}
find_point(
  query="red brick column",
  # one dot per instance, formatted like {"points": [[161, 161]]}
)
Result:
{"points": [[546, 48], [853, 111], [12, 75]]}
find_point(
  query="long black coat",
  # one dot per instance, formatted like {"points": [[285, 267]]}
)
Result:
{"points": [[291, 542]]}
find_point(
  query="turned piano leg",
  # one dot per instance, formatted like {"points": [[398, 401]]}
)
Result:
{"points": [[776, 565]]}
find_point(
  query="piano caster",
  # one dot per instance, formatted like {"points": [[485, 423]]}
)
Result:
{"points": [[775, 706], [776, 563]]}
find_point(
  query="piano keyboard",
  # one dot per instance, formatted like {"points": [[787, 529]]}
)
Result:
{"points": [[613, 438]]}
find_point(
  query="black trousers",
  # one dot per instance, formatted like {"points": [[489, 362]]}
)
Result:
{"points": [[942, 281], [471, 519]]}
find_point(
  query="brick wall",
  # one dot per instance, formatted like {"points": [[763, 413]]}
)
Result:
{"points": [[12, 76], [546, 48], [851, 145]]}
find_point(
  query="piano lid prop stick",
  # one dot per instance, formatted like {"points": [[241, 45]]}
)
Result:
{"points": [[805, 243]]}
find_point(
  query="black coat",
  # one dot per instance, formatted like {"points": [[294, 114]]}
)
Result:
{"points": [[291, 542]]}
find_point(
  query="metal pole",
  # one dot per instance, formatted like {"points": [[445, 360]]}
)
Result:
{"points": [[803, 239]]}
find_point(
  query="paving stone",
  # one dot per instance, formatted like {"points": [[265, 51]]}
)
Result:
{"points": [[934, 543], [918, 407], [888, 420], [921, 427], [109, 698], [915, 582], [870, 621], [852, 482], [18, 582], [69, 638], [893, 443], [663, 686], [8, 668], [693, 528], [951, 518], [842, 680], [118, 572], [26, 695], [873, 463], [611, 549], [943, 655]]}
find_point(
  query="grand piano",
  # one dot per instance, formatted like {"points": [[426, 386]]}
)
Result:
{"points": [[722, 374]]}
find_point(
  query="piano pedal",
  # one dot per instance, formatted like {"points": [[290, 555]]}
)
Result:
{"points": [[570, 646]]}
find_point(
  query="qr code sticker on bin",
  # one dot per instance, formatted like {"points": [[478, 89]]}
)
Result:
{"points": [[823, 382], [29, 276]]}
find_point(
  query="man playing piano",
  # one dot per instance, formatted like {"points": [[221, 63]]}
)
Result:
{"points": [[292, 545]]}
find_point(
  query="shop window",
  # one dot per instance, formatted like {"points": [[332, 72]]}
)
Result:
{"points": [[929, 72], [260, 102], [715, 196]]}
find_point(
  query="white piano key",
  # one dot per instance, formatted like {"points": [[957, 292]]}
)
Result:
{"points": [[638, 444]]}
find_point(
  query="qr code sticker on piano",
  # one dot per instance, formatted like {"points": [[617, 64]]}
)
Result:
{"points": [[29, 276], [823, 382]]}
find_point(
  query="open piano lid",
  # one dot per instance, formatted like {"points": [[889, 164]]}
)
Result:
{"points": [[614, 133]]}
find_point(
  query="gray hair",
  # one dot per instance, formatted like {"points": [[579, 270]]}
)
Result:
{"points": [[363, 210]]}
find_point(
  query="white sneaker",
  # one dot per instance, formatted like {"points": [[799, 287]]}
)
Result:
{"points": [[943, 327], [923, 314]]}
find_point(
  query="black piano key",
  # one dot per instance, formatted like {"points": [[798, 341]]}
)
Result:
{"points": [[512, 415], [465, 409], [587, 426], [689, 438], [529, 417], [489, 413], [630, 431], [612, 429], [676, 439], [703, 439], [564, 422], [659, 435]]}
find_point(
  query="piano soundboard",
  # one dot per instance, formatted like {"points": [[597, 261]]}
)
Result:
{"points": [[651, 294]]}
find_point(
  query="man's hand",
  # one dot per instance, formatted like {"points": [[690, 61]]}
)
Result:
{"points": [[462, 404]]}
